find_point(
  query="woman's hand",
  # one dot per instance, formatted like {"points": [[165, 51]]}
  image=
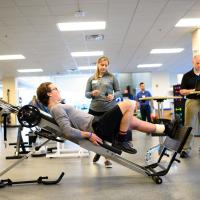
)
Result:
{"points": [[92, 137], [95, 139], [110, 97], [95, 93]]}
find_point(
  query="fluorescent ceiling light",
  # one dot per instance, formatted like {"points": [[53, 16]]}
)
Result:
{"points": [[92, 67], [188, 22], [149, 65], [81, 26], [173, 50], [87, 53], [11, 57], [29, 70]]}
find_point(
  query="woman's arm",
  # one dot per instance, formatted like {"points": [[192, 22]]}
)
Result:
{"points": [[116, 88], [88, 90], [62, 119]]}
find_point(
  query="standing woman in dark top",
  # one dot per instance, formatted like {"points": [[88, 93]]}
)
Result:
{"points": [[192, 105], [103, 89]]}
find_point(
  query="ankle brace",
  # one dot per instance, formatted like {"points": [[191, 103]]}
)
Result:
{"points": [[121, 138]]}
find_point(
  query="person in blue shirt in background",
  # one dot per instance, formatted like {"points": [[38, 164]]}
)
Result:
{"points": [[145, 107]]}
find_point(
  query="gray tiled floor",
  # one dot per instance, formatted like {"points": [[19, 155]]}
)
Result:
{"points": [[85, 180]]}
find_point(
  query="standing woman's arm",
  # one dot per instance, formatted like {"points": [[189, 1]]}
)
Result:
{"points": [[116, 88], [88, 90]]}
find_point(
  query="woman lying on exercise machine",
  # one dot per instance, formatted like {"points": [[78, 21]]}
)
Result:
{"points": [[111, 127]]}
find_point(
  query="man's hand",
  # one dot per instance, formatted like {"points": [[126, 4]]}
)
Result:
{"points": [[191, 91], [186, 91]]}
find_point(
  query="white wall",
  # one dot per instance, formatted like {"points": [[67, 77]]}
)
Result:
{"points": [[124, 79], [72, 88], [137, 78], [161, 86]]}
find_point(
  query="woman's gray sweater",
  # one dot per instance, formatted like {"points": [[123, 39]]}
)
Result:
{"points": [[71, 121]]}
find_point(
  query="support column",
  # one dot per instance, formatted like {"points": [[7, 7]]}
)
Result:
{"points": [[10, 95], [196, 42], [196, 51]]}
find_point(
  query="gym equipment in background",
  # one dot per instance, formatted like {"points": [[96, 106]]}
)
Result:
{"points": [[33, 118]]}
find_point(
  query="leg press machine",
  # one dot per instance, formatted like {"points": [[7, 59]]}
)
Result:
{"points": [[29, 116]]}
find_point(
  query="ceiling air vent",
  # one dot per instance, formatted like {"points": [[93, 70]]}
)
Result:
{"points": [[96, 37], [73, 69]]}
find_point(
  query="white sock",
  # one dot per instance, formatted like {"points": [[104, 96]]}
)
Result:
{"points": [[160, 128]]}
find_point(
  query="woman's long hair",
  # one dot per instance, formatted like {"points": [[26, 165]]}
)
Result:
{"points": [[97, 73]]}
